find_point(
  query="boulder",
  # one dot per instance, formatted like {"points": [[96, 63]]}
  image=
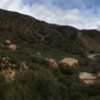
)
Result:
{"points": [[8, 41], [71, 62], [13, 47], [88, 78], [52, 63]]}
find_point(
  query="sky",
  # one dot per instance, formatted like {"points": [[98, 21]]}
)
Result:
{"points": [[82, 14]]}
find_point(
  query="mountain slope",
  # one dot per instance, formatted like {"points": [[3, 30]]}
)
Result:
{"points": [[41, 35]]}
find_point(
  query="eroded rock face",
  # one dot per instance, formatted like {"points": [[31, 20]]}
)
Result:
{"points": [[52, 63], [71, 62], [13, 47]]}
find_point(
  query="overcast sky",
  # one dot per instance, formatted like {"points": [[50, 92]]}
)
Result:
{"points": [[83, 14]]}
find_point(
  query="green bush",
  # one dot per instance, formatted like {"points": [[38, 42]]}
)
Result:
{"points": [[67, 70]]}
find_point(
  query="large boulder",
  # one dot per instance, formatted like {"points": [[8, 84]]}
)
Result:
{"points": [[88, 78], [71, 62]]}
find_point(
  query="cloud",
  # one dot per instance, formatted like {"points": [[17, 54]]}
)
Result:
{"points": [[98, 25], [47, 10]]}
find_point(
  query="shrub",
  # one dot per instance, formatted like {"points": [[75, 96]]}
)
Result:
{"points": [[67, 70]]}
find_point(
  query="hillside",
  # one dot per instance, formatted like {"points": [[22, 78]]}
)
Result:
{"points": [[64, 38], [42, 61]]}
